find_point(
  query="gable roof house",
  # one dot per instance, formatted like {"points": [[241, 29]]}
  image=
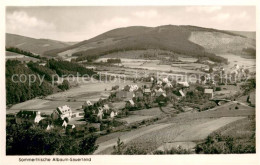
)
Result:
{"points": [[113, 114], [210, 92], [62, 112], [159, 92], [182, 93], [106, 108], [184, 84], [100, 113], [130, 103], [87, 104], [28, 117]]}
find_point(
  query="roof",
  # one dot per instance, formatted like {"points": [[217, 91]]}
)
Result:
{"points": [[184, 83], [64, 109], [106, 107], [131, 102], [147, 90], [27, 114], [165, 80], [89, 102], [100, 108], [181, 92], [208, 91], [160, 90]]}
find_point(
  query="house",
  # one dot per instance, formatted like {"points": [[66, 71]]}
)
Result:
{"points": [[184, 84], [113, 114], [62, 112], [64, 124], [130, 103], [87, 104], [168, 85], [26, 117], [100, 113], [181, 92], [49, 127], [147, 91], [165, 80], [139, 93], [209, 92], [106, 108], [159, 92]]}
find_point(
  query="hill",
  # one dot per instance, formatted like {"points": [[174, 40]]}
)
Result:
{"points": [[36, 46], [186, 40]]}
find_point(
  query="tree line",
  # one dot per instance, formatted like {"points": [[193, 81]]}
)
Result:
{"points": [[23, 52], [17, 91]]}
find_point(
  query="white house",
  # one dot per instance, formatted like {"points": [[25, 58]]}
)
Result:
{"points": [[113, 114], [87, 104], [209, 91], [165, 80], [181, 92], [184, 84], [100, 113], [62, 112], [49, 127]]}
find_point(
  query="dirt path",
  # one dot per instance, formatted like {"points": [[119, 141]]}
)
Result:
{"points": [[130, 136]]}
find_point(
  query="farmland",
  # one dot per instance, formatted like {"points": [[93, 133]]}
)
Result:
{"points": [[197, 124]]}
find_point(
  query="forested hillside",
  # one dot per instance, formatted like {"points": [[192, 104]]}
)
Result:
{"points": [[178, 39], [19, 90]]}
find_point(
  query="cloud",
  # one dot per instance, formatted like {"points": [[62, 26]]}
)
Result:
{"points": [[221, 17], [203, 9], [116, 21], [20, 21], [146, 14]]}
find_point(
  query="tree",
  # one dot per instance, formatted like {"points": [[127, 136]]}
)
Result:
{"points": [[118, 149], [27, 140], [87, 145], [65, 85]]}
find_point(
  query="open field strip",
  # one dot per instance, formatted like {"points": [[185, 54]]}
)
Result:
{"points": [[130, 136]]}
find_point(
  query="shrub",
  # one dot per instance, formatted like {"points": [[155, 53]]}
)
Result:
{"points": [[219, 144], [178, 150]]}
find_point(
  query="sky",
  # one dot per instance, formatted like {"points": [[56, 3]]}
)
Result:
{"points": [[82, 23]]}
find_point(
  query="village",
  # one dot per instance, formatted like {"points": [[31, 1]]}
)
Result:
{"points": [[120, 110]]}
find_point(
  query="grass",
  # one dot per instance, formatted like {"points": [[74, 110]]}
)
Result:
{"points": [[237, 137]]}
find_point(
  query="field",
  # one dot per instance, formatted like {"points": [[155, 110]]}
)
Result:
{"points": [[74, 97], [188, 128], [19, 57], [155, 65], [237, 59]]}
